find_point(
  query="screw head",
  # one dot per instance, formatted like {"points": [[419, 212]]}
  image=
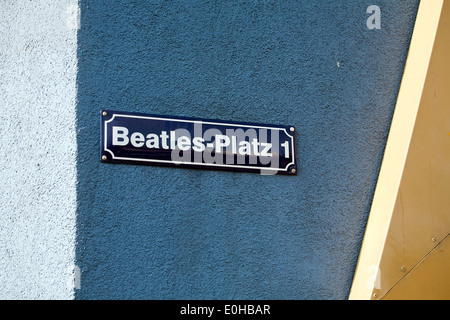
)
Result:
{"points": [[293, 171], [104, 158], [433, 239], [292, 129], [104, 113], [403, 269]]}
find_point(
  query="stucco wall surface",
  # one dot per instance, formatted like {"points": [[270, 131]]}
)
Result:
{"points": [[169, 233], [37, 149], [140, 232]]}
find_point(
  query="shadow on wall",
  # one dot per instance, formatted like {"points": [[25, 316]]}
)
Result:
{"points": [[170, 233]]}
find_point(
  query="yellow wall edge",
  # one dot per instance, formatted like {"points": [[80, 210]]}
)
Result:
{"points": [[371, 279]]}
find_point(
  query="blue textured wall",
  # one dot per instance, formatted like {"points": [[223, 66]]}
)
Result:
{"points": [[170, 233]]}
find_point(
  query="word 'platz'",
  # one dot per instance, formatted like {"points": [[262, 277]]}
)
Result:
{"points": [[145, 139]]}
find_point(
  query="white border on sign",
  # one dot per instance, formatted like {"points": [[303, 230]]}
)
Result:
{"points": [[196, 163]]}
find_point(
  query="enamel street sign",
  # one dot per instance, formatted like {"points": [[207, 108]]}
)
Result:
{"points": [[194, 143]]}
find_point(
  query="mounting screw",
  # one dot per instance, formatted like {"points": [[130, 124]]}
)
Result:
{"points": [[293, 171], [375, 295], [403, 269], [104, 158], [433, 239], [105, 113], [292, 129]]}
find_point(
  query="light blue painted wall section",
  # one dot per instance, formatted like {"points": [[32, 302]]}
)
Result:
{"points": [[168, 233], [38, 54]]}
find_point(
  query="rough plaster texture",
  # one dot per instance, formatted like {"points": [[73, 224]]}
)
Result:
{"points": [[165, 233], [37, 149], [170, 233]]}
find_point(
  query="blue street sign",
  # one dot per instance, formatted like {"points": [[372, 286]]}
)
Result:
{"points": [[144, 139]]}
